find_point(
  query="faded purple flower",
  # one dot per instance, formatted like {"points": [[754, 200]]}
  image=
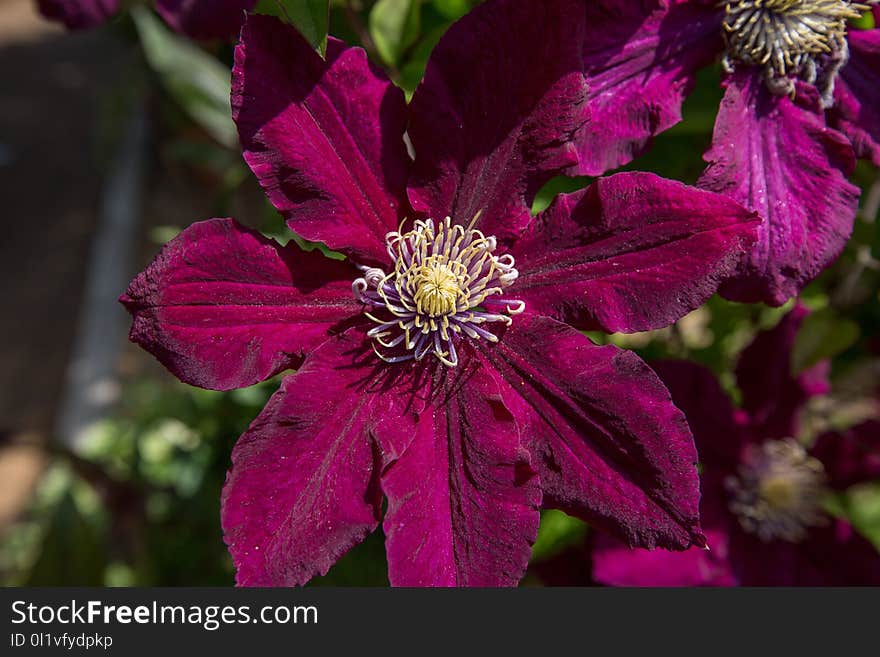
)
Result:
{"points": [[78, 14], [434, 367], [205, 19], [786, 61], [199, 19], [762, 507]]}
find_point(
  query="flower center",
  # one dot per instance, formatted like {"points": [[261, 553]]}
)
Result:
{"points": [[446, 285], [777, 492], [790, 39], [437, 287]]}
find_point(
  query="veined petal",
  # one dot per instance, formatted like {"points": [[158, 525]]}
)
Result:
{"points": [[718, 432], [777, 157], [640, 59], [856, 111], [324, 138], [78, 14], [462, 498], [303, 487], [223, 307], [851, 456], [605, 438], [205, 19], [493, 119], [632, 252], [771, 396]]}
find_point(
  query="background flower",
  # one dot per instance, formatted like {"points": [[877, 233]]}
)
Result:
{"points": [[762, 491], [772, 150], [199, 19]]}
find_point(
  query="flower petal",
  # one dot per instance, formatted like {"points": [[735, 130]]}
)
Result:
{"points": [[324, 138], [606, 440], [771, 395], [223, 307], [835, 555], [852, 456], [78, 14], [632, 252], [856, 112], [205, 19], [303, 486], [777, 157], [695, 390], [640, 59], [462, 498], [492, 121]]}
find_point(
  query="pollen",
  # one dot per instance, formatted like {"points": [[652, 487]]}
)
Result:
{"points": [[446, 285], [777, 493], [437, 288], [790, 39]]}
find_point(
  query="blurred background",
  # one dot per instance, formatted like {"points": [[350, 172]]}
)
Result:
{"points": [[111, 141]]}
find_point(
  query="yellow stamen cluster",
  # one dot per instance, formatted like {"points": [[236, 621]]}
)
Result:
{"points": [[437, 286], [787, 38], [443, 276], [777, 493]]}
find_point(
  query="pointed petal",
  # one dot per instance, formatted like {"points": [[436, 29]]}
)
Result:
{"points": [[492, 120], [303, 488], [223, 307], [777, 157], [205, 19], [771, 395], [78, 14], [462, 499], [606, 440], [631, 253], [851, 456], [640, 59], [856, 112], [324, 138]]}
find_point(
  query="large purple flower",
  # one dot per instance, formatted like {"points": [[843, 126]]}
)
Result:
{"points": [[434, 367], [199, 19], [762, 490], [786, 61]]}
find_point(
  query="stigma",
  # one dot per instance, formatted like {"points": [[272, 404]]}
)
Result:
{"points": [[446, 285], [777, 493], [789, 40]]}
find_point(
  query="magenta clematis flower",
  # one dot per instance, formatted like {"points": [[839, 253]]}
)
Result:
{"points": [[762, 490], [199, 19], [786, 61], [434, 367]]}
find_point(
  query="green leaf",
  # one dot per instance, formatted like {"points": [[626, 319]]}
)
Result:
{"points": [[866, 22], [394, 26], [72, 553], [413, 70], [557, 532], [310, 17], [822, 335], [198, 82], [451, 9], [554, 186]]}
